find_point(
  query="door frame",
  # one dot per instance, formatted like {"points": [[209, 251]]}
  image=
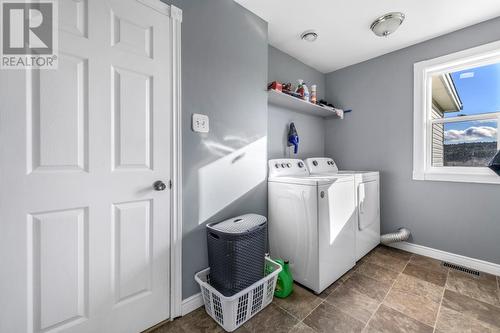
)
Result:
{"points": [[175, 273], [176, 169]]}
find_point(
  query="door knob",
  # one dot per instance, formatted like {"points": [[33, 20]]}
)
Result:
{"points": [[159, 185]]}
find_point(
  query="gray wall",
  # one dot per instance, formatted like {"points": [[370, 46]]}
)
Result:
{"points": [[461, 218], [285, 68], [224, 75], [311, 130]]}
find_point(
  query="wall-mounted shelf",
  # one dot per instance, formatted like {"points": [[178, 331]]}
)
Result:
{"points": [[299, 105]]}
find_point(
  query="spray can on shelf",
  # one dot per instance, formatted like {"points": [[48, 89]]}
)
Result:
{"points": [[313, 94]]}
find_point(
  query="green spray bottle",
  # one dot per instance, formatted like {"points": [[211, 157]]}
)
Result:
{"points": [[284, 284]]}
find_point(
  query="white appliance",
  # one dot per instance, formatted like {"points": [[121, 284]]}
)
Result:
{"points": [[367, 190], [311, 222]]}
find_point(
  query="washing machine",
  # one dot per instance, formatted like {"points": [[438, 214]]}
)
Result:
{"points": [[367, 191], [311, 222]]}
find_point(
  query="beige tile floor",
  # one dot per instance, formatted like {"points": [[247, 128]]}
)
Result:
{"points": [[387, 291]]}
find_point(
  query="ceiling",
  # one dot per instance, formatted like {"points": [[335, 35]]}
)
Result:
{"points": [[344, 26]]}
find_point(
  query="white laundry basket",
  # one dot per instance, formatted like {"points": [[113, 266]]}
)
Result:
{"points": [[232, 311]]}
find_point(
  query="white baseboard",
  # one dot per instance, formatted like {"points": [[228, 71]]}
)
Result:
{"points": [[480, 265], [191, 303]]}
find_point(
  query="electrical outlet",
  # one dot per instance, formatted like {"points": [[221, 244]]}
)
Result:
{"points": [[200, 123]]}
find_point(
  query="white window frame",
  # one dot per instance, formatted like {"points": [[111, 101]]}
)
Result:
{"points": [[422, 125]]}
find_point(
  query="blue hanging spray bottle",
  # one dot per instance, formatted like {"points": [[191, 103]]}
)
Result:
{"points": [[293, 138]]}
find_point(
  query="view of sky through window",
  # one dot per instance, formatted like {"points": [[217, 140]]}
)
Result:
{"points": [[466, 142], [479, 90]]}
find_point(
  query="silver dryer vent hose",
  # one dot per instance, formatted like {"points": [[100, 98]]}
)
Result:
{"points": [[401, 235]]}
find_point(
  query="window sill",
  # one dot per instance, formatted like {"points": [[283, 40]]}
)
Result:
{"points": [[479, 176]]}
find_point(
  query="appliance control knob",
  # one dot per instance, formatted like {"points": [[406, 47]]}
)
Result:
{"points": [[276, 165], [300, 164], [289, 165], [315, 163], [283, 165]]}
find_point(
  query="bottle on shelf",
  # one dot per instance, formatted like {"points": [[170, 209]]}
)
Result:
{"points": [[300, 88], [306, 95]]}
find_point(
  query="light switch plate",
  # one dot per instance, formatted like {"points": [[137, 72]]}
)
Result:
{"points": [[200, 123]]}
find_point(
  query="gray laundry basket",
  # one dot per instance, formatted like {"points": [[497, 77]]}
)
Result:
{"points": [[236, 252]]}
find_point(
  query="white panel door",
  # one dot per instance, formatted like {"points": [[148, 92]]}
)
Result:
{"points": [[84, 237]]}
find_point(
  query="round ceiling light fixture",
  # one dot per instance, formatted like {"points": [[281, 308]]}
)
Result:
{"points": [[387, 24], [309, 35]]}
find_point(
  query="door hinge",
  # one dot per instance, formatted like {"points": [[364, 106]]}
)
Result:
{"points": [[169, 184]]}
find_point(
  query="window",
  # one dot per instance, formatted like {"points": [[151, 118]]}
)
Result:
{"points": [[456, 116]]}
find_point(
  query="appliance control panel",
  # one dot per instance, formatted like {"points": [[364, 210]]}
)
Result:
{"points": [[321, 165], [287, 167]]}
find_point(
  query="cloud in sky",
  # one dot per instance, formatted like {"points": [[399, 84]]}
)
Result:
{"points": [[471, 134], [483, 121]]}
